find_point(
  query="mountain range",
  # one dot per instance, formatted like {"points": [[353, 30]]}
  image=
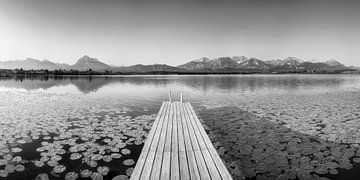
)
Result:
{"points": [[221, 64]]}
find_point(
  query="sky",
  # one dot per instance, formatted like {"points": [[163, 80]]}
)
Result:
{"points": [[126, 32]]}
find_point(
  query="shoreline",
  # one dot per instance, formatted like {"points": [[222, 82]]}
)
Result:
{"points": [[173, 73]]}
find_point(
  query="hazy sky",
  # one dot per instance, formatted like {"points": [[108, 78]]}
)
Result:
{"points": [[123, 32]]}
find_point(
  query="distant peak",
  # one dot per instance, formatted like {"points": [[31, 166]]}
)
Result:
{"points": [[333, 62], [87, 58], [293, 59], [202, 59], [31, 59], [254, 59]]}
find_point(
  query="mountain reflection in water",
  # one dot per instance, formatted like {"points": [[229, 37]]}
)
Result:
{"points": [[239, 83]]}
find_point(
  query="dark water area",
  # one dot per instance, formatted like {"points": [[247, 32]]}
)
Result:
{"points": [[241, 111]]}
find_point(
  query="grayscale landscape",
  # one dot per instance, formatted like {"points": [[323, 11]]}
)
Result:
{"points": [[99, 90]]}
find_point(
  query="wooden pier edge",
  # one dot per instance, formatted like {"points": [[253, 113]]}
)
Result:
{"points": [[178, 147]]}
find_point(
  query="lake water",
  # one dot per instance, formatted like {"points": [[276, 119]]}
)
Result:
{"points": [[67, 127]]}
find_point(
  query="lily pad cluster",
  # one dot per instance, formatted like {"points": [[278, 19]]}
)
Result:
{"points": [[257, 147], [67, 129]]}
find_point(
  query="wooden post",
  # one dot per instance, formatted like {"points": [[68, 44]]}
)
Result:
{"points": [[169, 96], [181, 97]]}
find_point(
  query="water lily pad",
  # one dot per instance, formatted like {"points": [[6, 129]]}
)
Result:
{"points": [[71, 176], [19, 168], [16, 150], [333, 171], [59, 169], [42, 176], [39, 163], [129, 162], [21, 141], [103, 170], [56, 158], [3, 162], [107, 158], [96, 176], [125, 151], [120, 177], [3, 173], [17, 159], [52, 163], [75, 156], [116, 155], [8, 157], [92, 163], [356, 160], [85, 173], [129, 171]]}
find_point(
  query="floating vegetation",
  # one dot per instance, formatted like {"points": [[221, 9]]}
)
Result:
{"points": [[129, 171], [8, 157], [71, 176], [107, 158], [66, 128], [85, 173], [116, 155], [125, 151], [56, 158], [17, 159], [16, 150], [19, 168], [103, 170], [59, 169], [129, 162], [42, 177], [52, 163], [96, 176], [120, 177], [3, 173], [257, 147], [92, 163], [75, 156], [39, 163]]}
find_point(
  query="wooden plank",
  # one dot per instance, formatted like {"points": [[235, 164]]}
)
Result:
{"points": [[180, 129], [200, 127], [165, 168], [146, 173], [178, 148], [184, 168], [193, 169], [203, 171], [193, 138], [220, 165], [213, 171], [156, 171], [175, 169], [224, 173], [141, 161]]}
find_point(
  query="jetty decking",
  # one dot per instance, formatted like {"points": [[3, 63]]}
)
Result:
{"points": [[178, 148]]}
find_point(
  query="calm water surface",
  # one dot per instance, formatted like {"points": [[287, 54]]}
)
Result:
{"points": [[82, 116]]}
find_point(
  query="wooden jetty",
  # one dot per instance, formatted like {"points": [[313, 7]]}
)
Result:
{"points": [[178, 148]]}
